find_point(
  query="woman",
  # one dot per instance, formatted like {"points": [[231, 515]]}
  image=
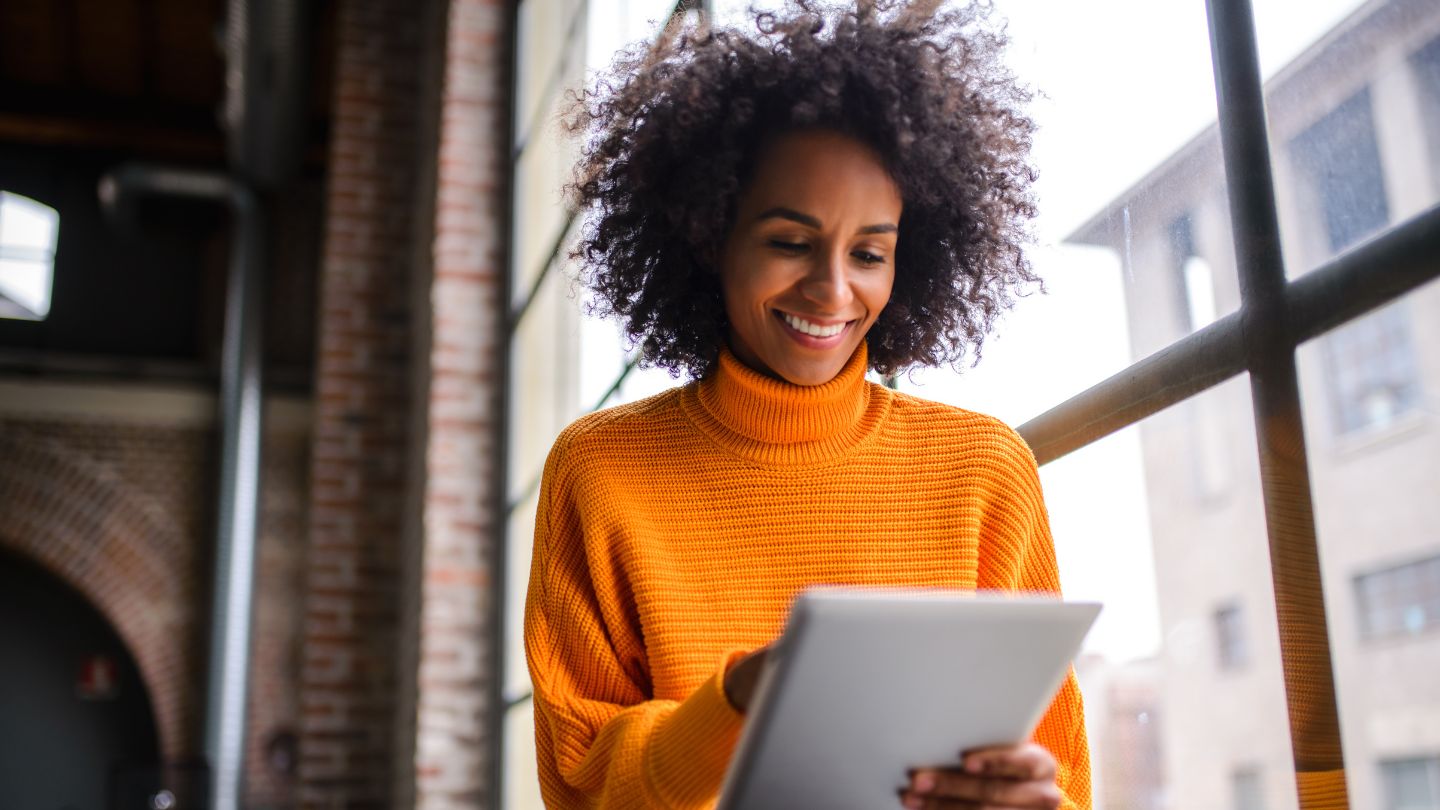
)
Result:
{"points": [[774, 215]]}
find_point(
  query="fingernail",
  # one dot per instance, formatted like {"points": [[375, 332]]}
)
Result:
{"points": [[923, 782], [974, 765]]}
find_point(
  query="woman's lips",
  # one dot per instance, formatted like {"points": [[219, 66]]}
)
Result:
{"points": [[815, 334]]}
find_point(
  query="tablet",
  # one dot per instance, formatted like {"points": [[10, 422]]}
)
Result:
{"points": [[866, 684]]}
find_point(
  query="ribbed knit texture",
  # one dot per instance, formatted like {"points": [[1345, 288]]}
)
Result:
{"points": [[673, 534]]}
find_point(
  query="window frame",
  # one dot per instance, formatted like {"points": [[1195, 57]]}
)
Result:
{"points": [[1276, 315]]}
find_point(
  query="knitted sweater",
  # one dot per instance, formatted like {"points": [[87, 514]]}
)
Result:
{"points": [[673, 534]]}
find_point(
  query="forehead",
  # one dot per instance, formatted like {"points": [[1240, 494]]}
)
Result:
{"points": [[824, 174]]}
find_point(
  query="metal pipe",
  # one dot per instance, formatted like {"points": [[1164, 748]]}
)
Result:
{"points": [[1182, 369], [241, 389], [1284, 472]]}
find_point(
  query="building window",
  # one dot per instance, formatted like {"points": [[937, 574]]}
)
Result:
{"points": [[1426, 63], [1370, 370], [1196, 280], [1411, 784], [28, 233], [1399, 601], [1234, 653], [1369, 364], [1340, 158], [1245, 789]]}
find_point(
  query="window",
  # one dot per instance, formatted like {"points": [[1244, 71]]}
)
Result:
{"points": [[1399, 601], [1369, 364], [1245, 789], [1411, 784], [1426, 63], [1340, 158], [1370, 371], [1233, 652], [1196, 279], [28, 233]]}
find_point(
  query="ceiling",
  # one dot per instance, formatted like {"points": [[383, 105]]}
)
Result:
{"points": [[143, 77]]}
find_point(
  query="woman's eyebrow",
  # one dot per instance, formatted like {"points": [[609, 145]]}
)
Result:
{"points": [[780, 212]]}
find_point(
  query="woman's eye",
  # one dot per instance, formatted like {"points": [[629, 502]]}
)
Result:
{"points": [[868, 258], [788, 247]]}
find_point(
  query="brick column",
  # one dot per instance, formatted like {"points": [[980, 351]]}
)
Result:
{"points": [[349, 664], [455, 673]]}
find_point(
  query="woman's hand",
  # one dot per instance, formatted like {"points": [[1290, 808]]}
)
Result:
{"points": [[741, 678], [1020, 776]]}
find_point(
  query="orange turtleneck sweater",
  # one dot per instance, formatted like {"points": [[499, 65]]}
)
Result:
{"points": [[673, 534]]}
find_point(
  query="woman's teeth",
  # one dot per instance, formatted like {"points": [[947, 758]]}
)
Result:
{"points": [[814, 330]]}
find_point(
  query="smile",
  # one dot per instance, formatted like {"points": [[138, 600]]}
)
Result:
{"points": [[813, 329]]}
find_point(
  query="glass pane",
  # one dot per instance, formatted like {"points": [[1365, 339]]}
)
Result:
{"points": [[1164, 524], [618, 23], [1353, 99], [540, 212], [27, 224], [521, 532], [1375, 513], [550, 39], [1131, 196], [522, 780], [28, 236], [544, 395]]}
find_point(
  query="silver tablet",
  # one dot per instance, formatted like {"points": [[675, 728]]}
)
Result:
{"points": [[867, 684]]}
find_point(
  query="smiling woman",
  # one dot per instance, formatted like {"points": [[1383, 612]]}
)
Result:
{"points": [[774, 213]]}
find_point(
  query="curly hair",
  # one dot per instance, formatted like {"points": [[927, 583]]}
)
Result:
{"points": [[675, 130]]}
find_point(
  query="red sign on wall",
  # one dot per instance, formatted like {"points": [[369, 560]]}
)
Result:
{"points": [[99, 678]]}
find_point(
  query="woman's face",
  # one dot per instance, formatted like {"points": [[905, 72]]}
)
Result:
{"points": [[811, 259]]}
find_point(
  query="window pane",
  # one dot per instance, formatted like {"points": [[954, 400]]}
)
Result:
{"points": [[1174, 560], [28, 235], [517, 579], [1412, 784], [1132, 202], [1376, 516], [550, 41], [544, 394], [1353, 99], [540, 213], [522, 780], [1247, 789]]}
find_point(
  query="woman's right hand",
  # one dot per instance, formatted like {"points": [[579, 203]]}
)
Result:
{"points": [[741, 678]]}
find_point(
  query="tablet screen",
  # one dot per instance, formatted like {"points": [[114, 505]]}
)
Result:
{"points": [[867, 684]]}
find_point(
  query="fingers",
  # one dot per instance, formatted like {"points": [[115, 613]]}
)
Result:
{"points": [[995, 778], [1028, 761], [952, 789]]}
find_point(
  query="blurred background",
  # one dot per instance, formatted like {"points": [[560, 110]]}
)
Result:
{"points": [[347, 216]]}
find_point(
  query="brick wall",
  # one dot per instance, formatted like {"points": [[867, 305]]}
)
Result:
{"points": [[455, 670], [122, 510], [350, 674], [115, 512]]}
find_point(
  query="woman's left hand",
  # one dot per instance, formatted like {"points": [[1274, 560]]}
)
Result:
{"points": [[1018, 776]]}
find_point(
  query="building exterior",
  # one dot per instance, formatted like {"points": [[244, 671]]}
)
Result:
{"points": [[1355, 146]]}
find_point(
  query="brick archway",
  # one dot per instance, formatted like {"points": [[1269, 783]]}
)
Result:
{"points": [[80, 520]]}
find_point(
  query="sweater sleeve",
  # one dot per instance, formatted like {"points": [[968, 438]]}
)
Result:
{"points": [[1019, 555], [601, 740]]}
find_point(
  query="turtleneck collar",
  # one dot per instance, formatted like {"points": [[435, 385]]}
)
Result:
{"points": [[772, 421]]}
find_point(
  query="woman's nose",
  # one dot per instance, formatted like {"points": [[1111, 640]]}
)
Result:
{"points": [[828, 283]]}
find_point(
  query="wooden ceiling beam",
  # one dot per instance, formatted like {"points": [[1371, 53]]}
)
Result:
{"points": [[139, 138]]}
